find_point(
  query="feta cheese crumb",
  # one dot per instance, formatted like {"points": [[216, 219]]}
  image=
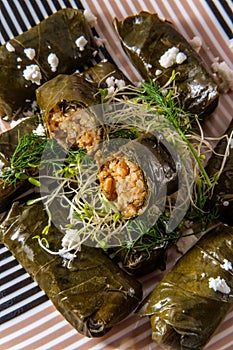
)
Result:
{"points": [[158, 72], [172, 56], [120, 83], [19, 59], [224, 76], [227, 265], [10, 47], [18, 66], [53, 61], [110, 81], [30, 53], [196, 43], [113, 84], [1, 164], [180, 57], [220, 285], [169, 57], [81, 42], [33, 74], [39, 131], [90, 18]]}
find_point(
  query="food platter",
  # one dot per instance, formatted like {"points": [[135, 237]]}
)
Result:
{"points": [[30, 321]]}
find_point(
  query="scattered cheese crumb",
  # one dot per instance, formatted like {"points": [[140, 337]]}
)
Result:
{"points": [[18, 66], [158, 72], [180, 57], [224, 76], [33, 74], [19, 59], [220, 285], [39, 131], [1, 164], [227, 265], [172, 56], [113, 84], [90, 18], [10, 47], [196, 43], [30, 53], [81, 42], [53, 61]]}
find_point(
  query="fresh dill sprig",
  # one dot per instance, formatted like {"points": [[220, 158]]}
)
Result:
{"points": [[25, 159]]}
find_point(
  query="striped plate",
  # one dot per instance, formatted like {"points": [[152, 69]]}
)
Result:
{"points": [[28, 319]]}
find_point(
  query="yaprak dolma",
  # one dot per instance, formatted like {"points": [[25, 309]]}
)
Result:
{"points": [[156, 49], [62, 43], [222, 196], [93, 294], [190, 302]]}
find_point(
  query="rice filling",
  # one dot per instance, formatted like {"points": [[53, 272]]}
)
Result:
{"points": [[122, 181]]}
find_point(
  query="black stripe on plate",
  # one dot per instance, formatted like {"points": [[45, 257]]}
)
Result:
{"points": [[17, 15], [23, 309], [36, 9], [16, 286], [27, 13], [8, 19], [9, 265], [19, 297], [47, 7], [6, 254], [220, 18], [12, 276]]}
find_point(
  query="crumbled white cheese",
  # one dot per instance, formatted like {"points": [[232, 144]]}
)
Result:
{"points": [[39, 131], [33, 74], [31, 111], [120, 83], [180, 57], [169, 57], [10, 47], [30, 53], [53, 61], [224, 76], [196, 43], [113, 84], [90, 18], [158, 72], [99, 41], [148, 65], [1, 164], [227, 265], [110, 81], [18, 66], [172, 56], [19, 59], [203, 274], [81, 42], [111, 91], [220, 285]]}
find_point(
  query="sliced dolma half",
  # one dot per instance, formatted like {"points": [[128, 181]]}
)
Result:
{"points": [[65, 103], [146, 39], [187, 306], [222, 197], [55, 52], [92, 293], [8, 144]]}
